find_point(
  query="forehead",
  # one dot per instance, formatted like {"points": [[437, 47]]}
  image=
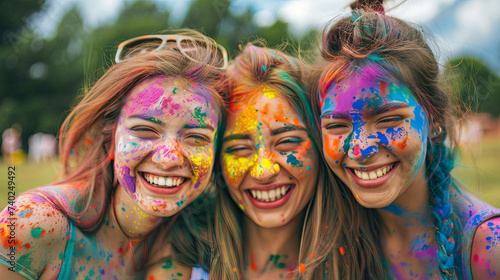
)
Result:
{"points": [[266, 104], [162, 95], [363, 91]]}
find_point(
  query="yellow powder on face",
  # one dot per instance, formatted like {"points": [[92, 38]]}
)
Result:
{"points": [[246, 121], [269, 92], [258, 169], [201, 164], [235, 167]]}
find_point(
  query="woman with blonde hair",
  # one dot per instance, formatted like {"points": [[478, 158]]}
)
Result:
{"points": [[273, 215], [136, 151]]}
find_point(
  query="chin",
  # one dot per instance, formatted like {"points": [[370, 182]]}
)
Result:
{"points": [[161, 207], [374, 201]]}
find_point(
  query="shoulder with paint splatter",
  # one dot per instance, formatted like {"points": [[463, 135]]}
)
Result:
{"points": [[40, 233], [485, 253]]}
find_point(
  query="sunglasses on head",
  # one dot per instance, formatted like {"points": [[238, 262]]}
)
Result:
{"points": [[152, 43]]}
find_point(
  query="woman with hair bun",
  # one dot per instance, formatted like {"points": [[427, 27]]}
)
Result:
{"points": [[384, 117], [136, 152]]}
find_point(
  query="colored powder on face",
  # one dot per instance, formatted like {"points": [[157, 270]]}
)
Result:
{"points": [[235, 167], [270, 93], [201, 165], [246, 121], [291, 159], [179, 203], [266, 164], [167, 265], [36, 232], [331, 146], [199, 116]]}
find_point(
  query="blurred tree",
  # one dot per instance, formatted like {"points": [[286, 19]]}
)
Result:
{"points": [[135, 19], [42, 76], [38, 76], [477, 87]]}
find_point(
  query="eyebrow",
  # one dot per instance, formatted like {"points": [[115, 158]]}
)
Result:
{"points": [[237, 137], [206, 126], [286, 129], [146, 118], [333, 114], [388, 107]]}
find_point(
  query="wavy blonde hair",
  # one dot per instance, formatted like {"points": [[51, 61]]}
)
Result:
{"points": [[253, 68], [86, 138]]}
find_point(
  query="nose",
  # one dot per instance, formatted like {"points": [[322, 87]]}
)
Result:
{"points": [[264, 169], [362, 145], [168, 154]]}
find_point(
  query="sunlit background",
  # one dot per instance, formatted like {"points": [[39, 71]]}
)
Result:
{"points": [[53, 50]]}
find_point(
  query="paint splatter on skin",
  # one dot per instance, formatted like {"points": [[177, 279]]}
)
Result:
{"points": [[155, 132], [368, 123], [181, 138], [261, 149]]}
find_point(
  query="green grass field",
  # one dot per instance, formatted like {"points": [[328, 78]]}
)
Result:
{"points": [[479, 171]]}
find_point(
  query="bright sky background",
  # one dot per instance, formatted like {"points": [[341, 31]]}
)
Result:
{"points": [[459, 26]]}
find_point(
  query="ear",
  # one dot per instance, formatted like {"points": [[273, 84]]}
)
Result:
{"points": [[436, 132]]}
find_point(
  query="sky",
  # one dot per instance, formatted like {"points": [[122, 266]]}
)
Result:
{"points": [[458, 27]]}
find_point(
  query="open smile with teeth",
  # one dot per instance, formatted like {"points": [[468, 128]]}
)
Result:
{"points": [[373, 174], [270, 195], [160, 181]]}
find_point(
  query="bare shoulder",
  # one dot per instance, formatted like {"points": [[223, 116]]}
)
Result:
{"points": [[485, 254], [37, 231], [162, 262]]}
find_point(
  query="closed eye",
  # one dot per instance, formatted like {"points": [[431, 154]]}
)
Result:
{"points": [[144, 132], [197, 139], [288, 144], [239, 150], [390, 121], [336, 125]]}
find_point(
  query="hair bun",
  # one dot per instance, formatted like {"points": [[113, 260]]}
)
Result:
{"points": [[368, 5]]}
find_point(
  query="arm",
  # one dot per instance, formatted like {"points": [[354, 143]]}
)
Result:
{"points": [[33, 236], [485, 253]]}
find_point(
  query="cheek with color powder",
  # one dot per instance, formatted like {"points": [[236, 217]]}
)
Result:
{"points": [[235, 167], [201, 163]]}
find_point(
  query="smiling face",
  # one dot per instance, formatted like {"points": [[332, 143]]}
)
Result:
{"points": [[374, 138], [268, 161], [164, 144]]}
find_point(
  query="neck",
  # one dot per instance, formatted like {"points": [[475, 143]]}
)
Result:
{"points": [[409, 215], [271, 248], [133, 223]]}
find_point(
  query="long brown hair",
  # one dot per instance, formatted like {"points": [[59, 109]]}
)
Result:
{"points": [[86, 136], [253, 68], [369, 37]]}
